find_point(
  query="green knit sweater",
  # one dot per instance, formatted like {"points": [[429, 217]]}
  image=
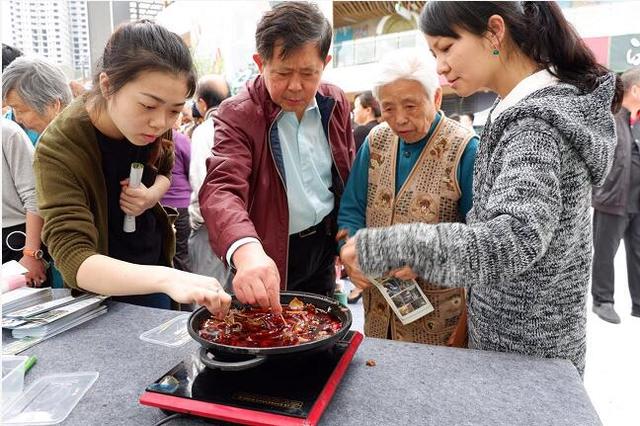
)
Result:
{"points": [[72, 194]]}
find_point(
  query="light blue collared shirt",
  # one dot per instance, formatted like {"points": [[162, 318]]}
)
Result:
{"points": [[307, 165]]}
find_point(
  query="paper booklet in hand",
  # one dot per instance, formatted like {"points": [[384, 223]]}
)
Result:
{"points": [[405, 298]]}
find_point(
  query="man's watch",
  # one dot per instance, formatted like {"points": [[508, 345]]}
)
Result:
{"points": [[36, 254]]}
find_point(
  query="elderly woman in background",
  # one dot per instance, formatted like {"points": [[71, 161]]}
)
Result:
{"points": [[417, 166], [21, 224], [36, 91]]}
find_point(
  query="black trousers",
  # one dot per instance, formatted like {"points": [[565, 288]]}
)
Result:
{"points": [[608, 230], [312, 261], [181, 260]]}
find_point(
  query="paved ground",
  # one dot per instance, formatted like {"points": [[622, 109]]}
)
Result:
{"points": [[612, 376]]}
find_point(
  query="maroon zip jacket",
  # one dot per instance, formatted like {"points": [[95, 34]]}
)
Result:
{"points": [[244, 193]]}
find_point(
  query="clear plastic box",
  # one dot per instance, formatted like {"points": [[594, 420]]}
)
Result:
{"points": [[49, 400], [172, 333], [12, 377]]}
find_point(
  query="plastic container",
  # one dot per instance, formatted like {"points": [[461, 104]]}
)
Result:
{"points": [[173, 333], [12, 377], [49, 400]]}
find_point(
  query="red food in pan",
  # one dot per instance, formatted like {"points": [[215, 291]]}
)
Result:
{"points": [[258, 327]]}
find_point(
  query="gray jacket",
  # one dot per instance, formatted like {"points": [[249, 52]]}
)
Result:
{"points": [[612, 197], [18, 182], [525, 252]]}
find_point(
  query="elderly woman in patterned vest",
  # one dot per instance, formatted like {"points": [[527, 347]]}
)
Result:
{"points": [[417, 166]]}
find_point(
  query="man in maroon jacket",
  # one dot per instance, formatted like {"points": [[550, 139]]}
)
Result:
{"points": [[283, 148]]}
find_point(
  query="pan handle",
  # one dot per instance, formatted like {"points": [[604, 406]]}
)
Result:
{"points": [[230, 366]]}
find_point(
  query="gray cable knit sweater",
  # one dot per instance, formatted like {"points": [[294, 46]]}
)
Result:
{"points": [[525, 252]]}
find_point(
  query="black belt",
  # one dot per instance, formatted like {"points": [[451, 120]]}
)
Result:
{"points": [[322, 226]]}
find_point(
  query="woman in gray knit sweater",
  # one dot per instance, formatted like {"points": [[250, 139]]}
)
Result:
{"points": [[524, 253]]}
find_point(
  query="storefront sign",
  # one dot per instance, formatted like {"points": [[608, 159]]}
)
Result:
{"points": [[624, 52]]}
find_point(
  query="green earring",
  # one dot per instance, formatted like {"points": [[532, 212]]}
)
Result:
{"points": [[496, 52]]}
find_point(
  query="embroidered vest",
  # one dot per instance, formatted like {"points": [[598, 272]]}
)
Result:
{"points": [[431, 194]]}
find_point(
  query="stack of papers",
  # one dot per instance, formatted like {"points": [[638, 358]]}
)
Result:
{"points": [[53, 317], [23, 297]]}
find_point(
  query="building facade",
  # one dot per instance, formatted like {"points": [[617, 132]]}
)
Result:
{"points": [[80, 37], [364, 31], [72, 33], [43, 28]]}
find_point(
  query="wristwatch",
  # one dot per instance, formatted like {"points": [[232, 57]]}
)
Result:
{"points": [[36, 254]]}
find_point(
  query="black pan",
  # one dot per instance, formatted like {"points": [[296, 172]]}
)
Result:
{"points": [[225, 357]]}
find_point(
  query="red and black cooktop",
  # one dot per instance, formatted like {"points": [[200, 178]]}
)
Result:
{"points": [[293, 390]]}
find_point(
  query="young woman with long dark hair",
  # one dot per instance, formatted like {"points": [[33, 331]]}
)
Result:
{"points": [[82, 165]]}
